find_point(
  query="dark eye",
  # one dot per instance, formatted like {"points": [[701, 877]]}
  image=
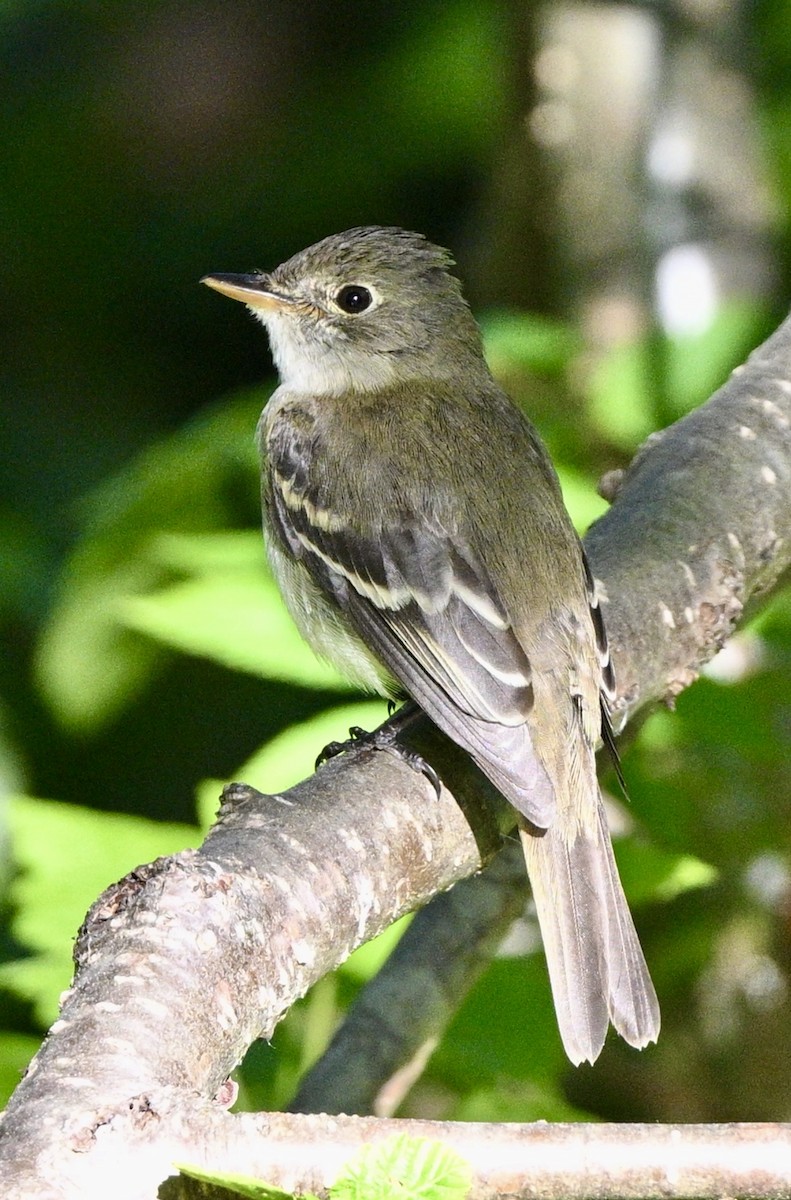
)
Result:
{"points": [[353, 298]]}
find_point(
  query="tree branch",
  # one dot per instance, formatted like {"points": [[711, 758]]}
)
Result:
{"points": [[537, 1161], [185, 962], [700, 529]]}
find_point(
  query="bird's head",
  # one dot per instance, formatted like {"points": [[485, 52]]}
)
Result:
{"points": [[362, 309]]}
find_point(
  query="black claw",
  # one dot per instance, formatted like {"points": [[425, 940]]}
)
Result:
{"points": [[418, 763], [331, 750], [356, 735], [384, 738]]}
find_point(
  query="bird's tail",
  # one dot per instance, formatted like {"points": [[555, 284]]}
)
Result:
{"points": [[596, 965]]}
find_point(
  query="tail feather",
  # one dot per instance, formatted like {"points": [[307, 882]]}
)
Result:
{"points": [[596, 966], [634, 1008]]}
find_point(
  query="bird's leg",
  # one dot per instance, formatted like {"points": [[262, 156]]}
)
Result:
{"points": [[385, 737]]}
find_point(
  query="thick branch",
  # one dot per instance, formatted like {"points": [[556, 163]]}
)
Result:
{"points": [[395, 1023], [700, 527], [182, 965]]}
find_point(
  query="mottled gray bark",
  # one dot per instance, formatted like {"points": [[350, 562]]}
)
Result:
{"points": [[700, 529]]}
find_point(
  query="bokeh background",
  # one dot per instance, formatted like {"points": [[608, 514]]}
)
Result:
{"points": [[615, 182]]}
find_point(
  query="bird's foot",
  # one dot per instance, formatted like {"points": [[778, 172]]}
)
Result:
{"points": [[385, 737]]}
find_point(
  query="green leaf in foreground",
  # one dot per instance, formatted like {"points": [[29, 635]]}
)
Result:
{"points": [[238, 1185], [407, 1167], [402, 1166]]}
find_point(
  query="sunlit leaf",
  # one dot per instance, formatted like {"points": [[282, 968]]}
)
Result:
{"points": [[88, 663], [232, 617], [410, 1168], [66, 856], [650, 873], [237, 1185]]}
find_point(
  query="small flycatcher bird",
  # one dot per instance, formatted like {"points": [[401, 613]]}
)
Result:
{"points": [[416, 528]]}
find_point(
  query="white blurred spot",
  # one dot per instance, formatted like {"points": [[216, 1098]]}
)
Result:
{"points": [[740, 657], [768, 879], [764, 985], [557, 67], [686, 290], [671, 157]]}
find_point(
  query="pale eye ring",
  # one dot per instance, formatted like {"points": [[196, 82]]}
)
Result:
{"points": [[353, 298]]}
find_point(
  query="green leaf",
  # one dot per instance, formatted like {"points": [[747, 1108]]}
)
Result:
{"points": [[517, 340], [652, 380], [368, 959], [66, 856], [622, 406], [88, 663], [16, 1051], [235, 617], [699, 364], [650, 873], [410, 1168], [209, 553], [238, 1185]]}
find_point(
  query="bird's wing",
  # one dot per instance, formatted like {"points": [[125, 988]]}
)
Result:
{"points": [[425, 604], [606, 677]]}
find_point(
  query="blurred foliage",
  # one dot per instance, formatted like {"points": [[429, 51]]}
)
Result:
{"points": [[146, 657]]}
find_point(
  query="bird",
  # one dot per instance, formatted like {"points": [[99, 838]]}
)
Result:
{"points": [[416, 528]]}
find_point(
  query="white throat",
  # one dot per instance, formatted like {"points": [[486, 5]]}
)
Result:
{"points": [[317, 368]]}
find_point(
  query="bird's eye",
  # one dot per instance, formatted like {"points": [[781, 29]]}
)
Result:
{"points": [[353, 298]]}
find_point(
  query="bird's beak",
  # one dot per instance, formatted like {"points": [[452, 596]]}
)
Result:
{"points": [[253, 290]]}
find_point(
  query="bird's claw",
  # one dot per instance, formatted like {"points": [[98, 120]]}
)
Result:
{"points": [[383, 738]]}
